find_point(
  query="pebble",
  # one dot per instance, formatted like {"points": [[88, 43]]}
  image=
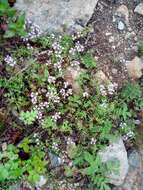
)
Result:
{"points": [[121, 25]]}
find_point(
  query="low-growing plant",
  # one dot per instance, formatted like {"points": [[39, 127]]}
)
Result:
{"points": [[75, 124], [28, 117], [88, 61], [24, 161]]}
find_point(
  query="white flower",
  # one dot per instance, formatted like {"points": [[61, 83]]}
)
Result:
{"points": [[79, 47], [66, 84], [93, 141], [56, 116], [51, 79], [75, 63], [112, 88], [85, 94], [102, 90], [72, 51]]}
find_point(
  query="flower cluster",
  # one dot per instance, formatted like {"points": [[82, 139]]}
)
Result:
{"points": [[79, 47], [51, 79], [93, 141], [66, 92], [75, 63], [77, 35], [85, 94], [58, 65], [102, 90], [111, 88], [70, 141], [56, 116], [52, 95], [33, 30], [55, 146], [10, 61], [129, 135]]}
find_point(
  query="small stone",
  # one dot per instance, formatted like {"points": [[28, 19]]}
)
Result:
{"points": [[111, 39], [139, 9], [41, 182], [71, 76], [114, 71], [101, 77], [123, 10], [4, 146], [134, 68], [121, 25], [55, 160], [15, 187]]}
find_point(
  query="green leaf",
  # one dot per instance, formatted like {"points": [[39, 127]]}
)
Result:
{"points": [[88, 61], [3, 173], [88, 157]]}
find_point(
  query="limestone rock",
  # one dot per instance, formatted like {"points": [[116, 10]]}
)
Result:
{"points": [[56, 15], [101, 77], [139, 9], [134, 179], [41, 182], [116, 152], [134, 68], [71, 76], [123, 10]]}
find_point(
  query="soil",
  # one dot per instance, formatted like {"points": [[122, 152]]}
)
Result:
{"points": [[112, 47]]}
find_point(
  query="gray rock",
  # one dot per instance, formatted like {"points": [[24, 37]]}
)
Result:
{"points": [[41, 182], [15, 187], [56, 15], [121, 25], [135, 160], [139, 9], [116, 152], [134, 179], [55, 160]]}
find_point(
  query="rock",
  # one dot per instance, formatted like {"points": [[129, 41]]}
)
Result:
{"points": [[55, 160], [15, 187], [134, 179], [71, 76], [123, 10], [4, 146], [116, 152], [101, 77], [26, 186], [58, 15], [41, 182], [139, 9], [121, 25], [134, 68], [135, 160]]}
